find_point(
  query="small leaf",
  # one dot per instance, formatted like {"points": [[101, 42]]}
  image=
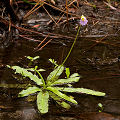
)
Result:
{"points": [[54, 75], [32, 69], [53, 62], [29, 91], [69, 85], [32, 58], [40, 70], [59, 101], [66, 81], [75, 75], [67, 72], [100, 105], [28, 57], [36, 57], [81, 90], [42, 101], [52, 89], [64, 104], [36, 67], [8, 66]]}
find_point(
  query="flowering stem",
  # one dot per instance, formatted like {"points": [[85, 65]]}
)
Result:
{"points": [[69, 52], [71, 46]]}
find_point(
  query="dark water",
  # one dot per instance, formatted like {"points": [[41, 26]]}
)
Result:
{"points": [[98, 64]]}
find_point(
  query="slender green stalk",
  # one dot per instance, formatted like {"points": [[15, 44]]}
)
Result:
{"points": [[41, 78], [69, 51], [71, 46]]}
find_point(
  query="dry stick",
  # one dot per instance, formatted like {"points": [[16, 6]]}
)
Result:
{"points": [[60, 18], [64, 9], [64, 14], [49, 15], [57, 9], [42, 42], [31, 11], [67, 11], [71, 3], [55, 35], [78, 3], [45, 44], [74, 6], [60, 9], [108, 4], [56, 23], [29, 38], [72, 18], [43, 34], [10, 22]]}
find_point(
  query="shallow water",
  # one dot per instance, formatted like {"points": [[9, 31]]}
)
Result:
{"points": [[97, 64]]}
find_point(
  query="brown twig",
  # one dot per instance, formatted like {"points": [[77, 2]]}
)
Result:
{"points": [[67, 13], [44, 45], [34, 9], [49, 15], [41, 42]]}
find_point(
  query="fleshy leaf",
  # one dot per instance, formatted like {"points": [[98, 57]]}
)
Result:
{"points": [[42, 101], [52, 89], [81, 90], [35, 79], [66, 81], [59, 100], [54, 75], [29, 91], [25, 73]]}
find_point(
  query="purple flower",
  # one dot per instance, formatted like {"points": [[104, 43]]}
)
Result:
{"points": [[83, 20]]}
